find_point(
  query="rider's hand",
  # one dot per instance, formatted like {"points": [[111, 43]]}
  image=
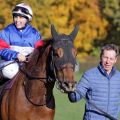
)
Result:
{"points": [[21, 57]]}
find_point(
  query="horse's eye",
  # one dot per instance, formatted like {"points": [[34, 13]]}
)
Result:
{"points": [[59, 52], [74, 52]]}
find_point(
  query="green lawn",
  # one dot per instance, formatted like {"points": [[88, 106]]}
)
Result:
{"points": [[66, 110]]}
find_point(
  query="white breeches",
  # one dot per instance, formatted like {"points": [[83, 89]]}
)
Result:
{"points": [[9, 68]]}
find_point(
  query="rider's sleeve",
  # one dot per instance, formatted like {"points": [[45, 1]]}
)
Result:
{"points": [[39, 43], [81, 89], [5, 51], [8, 54]]}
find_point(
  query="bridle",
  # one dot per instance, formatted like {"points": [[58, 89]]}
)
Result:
{"points": [[59, 65], [31, 77]]}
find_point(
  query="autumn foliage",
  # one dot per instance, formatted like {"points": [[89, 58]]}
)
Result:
{"points": [[64, 15]]}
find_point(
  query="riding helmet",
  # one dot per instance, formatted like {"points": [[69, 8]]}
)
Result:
{"points": [[23, 10]]}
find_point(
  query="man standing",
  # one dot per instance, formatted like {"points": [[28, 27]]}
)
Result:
{"points": [[101, 86]]}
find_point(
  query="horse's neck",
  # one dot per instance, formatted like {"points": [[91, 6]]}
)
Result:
{"points": [[35, 91], [37, 64], [35, 82]]}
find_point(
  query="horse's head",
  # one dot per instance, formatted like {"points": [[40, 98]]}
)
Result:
{"points": [[63, 59], [55, 60]]}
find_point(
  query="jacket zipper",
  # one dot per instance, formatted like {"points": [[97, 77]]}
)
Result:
{"points": [[108, 95]]}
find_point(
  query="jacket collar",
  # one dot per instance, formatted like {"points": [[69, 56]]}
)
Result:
{"points": [[102, 70]]}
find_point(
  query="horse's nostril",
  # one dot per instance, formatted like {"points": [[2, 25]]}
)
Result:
{"points": [[66, 84], [69, 84]]}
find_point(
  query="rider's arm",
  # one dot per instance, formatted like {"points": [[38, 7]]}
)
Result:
{"points": [[39, 43], [38, 39], [5, 52]]}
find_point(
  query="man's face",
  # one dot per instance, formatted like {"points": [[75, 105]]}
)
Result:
{"points": [[20, 22], [108, 59]]}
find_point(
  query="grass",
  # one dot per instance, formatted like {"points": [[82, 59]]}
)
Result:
{"points": [[73, 111], [65, 110]]}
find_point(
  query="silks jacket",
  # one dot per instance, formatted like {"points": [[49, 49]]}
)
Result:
{"points": [[101, 89], [14, 41]]}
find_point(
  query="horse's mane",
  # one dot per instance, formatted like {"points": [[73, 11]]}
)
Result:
{"points": [[46, 43], [38, 52]]}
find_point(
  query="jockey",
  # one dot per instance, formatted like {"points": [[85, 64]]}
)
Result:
{"points": [[17, 40]]}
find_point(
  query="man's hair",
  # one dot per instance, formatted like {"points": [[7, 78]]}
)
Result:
{"points": [[110, 47]]}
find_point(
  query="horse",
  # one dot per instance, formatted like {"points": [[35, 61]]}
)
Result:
{"points": [[31, 95]]}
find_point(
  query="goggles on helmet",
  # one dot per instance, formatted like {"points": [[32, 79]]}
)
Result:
{"points": [[18, 14], [23, 10]]}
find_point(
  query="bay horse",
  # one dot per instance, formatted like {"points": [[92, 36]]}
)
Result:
{"points": [[31, 95]]}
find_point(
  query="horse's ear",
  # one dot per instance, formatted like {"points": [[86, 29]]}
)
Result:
{"points": [[74, 33], [54, 32]]}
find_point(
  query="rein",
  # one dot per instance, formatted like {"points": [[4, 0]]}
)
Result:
{"points": [[105, 113], [54, 71], [27, 74], [33, 77], [44, 80], [30, 77], [100, 110], [8, 64]]}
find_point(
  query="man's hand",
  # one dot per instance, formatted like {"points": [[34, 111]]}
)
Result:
{"points": [[21, 57]]}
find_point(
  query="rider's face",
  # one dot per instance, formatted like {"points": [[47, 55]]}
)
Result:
{"points": [[19, 21]]}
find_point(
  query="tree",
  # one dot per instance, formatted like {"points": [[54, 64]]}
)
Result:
{"points": [[65, 15], [111, 11], [92, 24]]}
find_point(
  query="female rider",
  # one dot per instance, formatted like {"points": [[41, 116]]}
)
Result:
{"points": [[18, 40]]}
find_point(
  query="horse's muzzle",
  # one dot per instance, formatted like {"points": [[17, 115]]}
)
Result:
{"points": [[67, 87]]}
